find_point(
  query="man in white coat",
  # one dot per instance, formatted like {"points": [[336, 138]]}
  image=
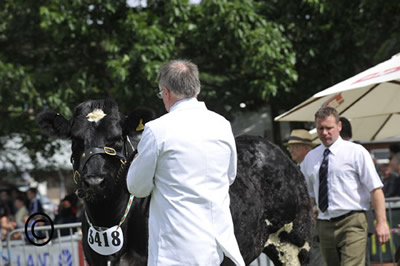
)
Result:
{"points": [[186, 161]]}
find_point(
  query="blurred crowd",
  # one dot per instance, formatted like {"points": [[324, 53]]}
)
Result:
{"points": [[390, 172], [16, 207]]}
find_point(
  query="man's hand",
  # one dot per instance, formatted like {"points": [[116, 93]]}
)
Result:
{"points": [[314, 209], [315, 212], [382, 232], [378, 202]]}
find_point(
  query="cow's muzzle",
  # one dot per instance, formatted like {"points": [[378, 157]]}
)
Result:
{"points": [[93, 181]]}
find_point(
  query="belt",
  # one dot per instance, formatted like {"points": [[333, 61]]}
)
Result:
{"points": [[341, 217]]}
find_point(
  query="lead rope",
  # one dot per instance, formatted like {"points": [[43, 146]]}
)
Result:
{"points": [[128, 139], [123, 162], [122, 219], [127, 210]]}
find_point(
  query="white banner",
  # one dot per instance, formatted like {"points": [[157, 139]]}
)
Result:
{"points": [[54, 253]]}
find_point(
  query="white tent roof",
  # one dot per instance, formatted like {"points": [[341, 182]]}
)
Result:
{"points": [[372, 92]]}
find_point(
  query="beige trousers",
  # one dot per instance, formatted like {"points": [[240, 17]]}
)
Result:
{"points": [[344, 240]]}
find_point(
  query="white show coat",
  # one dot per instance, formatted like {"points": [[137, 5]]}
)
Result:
{"points": [[187, 160]]}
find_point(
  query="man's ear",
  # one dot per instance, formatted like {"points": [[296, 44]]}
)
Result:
{"points": [[54, 124], [135, 121]]}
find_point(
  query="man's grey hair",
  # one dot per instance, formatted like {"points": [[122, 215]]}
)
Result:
{"points": [[181, 77], [324, 112]]}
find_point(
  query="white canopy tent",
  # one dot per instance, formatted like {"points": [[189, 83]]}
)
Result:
{"points": [[370, 100]]}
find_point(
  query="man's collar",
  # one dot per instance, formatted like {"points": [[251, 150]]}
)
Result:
{"points": [[335, 145], [182, 102]]}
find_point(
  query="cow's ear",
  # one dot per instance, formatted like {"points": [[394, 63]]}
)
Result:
{"points": [[54, 124], [135, 121]]}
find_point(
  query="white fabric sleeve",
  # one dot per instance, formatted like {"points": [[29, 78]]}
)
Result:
{"points": [[232, 170], [366, 168], [140, 178]]}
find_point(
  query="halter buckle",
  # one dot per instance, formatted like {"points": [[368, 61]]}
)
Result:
{"points": [[110, 151], [76, 173]]}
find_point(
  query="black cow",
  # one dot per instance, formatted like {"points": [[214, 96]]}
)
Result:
{"points": [[269, 202]]}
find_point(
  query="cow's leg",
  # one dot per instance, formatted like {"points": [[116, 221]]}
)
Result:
{"points": [[283, 251], [280, 258], [273, 254]]}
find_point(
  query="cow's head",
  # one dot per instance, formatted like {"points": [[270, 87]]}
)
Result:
{"points": [[103, 140]]}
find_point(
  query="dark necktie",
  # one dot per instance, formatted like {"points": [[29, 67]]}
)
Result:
{"points": [[323, 183]]}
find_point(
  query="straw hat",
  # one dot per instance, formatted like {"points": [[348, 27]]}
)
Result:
{"points": [[300, 136]]}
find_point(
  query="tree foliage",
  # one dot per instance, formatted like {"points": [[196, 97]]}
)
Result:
{"points": [[335, 39], [55, 54], [248, 57]]}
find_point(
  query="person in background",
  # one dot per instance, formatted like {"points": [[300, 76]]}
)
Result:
{"points": [[22, 211], [67, 213], [342, 180], [390, 179], [20, 215], [347, 132], [35, 204], [6, 204], [186, 161], [7, 220], [394, 163], [394, 166], [299, 144], [34, 207], [393, 149]]}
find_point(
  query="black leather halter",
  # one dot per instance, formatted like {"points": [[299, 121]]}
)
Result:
{"points": [[89, 153]]}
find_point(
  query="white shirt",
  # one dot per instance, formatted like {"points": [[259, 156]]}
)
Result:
{"points": [[351, 177], [187, 160]]}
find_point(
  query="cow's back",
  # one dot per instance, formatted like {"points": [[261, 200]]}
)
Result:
{"points": [[268, 195]]}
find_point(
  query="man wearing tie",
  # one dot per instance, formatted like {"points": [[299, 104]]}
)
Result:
{"points": [[342, 180]]}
